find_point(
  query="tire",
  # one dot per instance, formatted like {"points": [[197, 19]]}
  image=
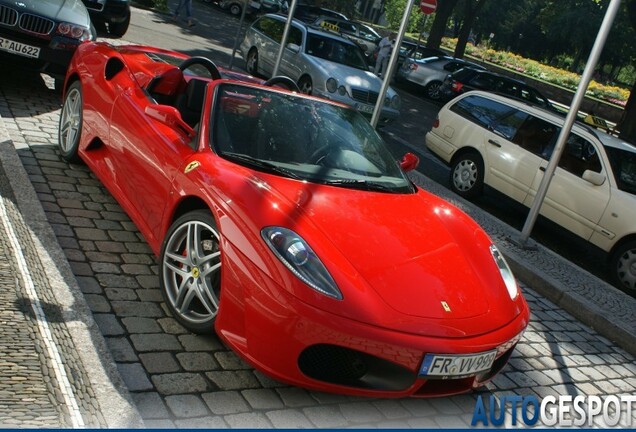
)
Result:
{"points": [[235, 9], [431, 90], [252, 62], [467, 175], [119, 29], [71, 120], [190, 277], [305, 85], [623, 267]]}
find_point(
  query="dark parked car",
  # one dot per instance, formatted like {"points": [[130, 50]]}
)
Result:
{"points": [[42, 35], [310, 14], [114, 13], [467, 79]]}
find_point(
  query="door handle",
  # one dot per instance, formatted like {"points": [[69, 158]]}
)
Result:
{"points": [[495, 143], [542, 169]]}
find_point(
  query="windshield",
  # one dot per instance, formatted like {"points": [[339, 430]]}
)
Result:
{"points": [[336, 51], [302, 139], [624, 166]]}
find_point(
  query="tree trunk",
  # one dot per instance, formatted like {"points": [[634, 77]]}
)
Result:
{"points": [[443, 12], [472, 9]]}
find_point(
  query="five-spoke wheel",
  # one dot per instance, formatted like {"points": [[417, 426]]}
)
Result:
{"points": [[70, 127], [191, 270]]}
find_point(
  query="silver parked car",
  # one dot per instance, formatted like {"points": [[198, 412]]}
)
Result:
{"points": [[322, 63], [361, 34], [430, 72]]}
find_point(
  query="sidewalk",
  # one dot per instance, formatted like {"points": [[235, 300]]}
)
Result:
{"points": [[55, 368]]}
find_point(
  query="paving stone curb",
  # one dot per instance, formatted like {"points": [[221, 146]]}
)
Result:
{"points": [[111, 393]]}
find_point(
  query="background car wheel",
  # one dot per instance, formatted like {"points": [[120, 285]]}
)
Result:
{"points": [[305, 85], [190, 275], [623, 267], [252, 62], [119, 29], [467, 175], [235, 9], [431, 90], [70, 128]]}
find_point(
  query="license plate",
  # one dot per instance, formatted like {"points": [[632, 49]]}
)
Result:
{"points": [[19, 48], [367, 109], [456, 366]]}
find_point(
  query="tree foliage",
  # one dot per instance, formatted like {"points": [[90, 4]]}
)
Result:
{"points": [[394, 10]]}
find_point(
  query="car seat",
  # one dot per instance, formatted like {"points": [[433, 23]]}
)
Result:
{"points": [[190, 102]]}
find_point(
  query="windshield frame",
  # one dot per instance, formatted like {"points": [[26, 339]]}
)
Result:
{"points": [[336, 145]]}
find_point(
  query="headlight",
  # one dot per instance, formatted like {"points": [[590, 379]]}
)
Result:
{"points": [[332, 85], [74, 31], [506, 273], [300, 259], [396, 102]]}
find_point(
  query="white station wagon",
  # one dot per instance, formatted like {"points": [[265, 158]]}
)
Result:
{"points": [[506, 144]]}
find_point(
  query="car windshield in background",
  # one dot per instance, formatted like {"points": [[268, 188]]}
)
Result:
{"points": [[624, 167], [328, 144], [336, 51]]}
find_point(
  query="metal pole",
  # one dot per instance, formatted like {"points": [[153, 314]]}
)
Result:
{"points": [[569, 119], [283, 43], [391, 66], [238, 33]]}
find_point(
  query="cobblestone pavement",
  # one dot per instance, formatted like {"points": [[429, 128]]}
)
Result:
{"points": [[183, 380]]}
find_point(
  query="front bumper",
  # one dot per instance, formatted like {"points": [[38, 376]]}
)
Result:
{"points": [[299, 344], [55, 53]]}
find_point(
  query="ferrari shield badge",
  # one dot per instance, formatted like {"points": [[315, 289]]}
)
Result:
{"points": [[191, 166], [446, 306]]}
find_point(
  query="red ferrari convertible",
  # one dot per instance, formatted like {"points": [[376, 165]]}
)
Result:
{"points": [[282, 222]]}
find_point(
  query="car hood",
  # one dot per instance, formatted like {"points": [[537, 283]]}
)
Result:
{"points": [[71, 11], [409, 262], [349, 76]]}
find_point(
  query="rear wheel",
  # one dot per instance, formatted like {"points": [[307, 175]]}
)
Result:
{"points": [[252, 62], [70, 129], [467, 175], [623, 267], [190, 275], [305, 85]]}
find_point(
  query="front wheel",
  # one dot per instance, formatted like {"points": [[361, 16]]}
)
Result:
{"points": [[431, 90], [235, 9], [70, 128], [120, 28], [190, 275], [305, 85], [623, 267], [467, 175]]}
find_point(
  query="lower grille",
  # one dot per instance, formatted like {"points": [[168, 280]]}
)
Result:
{"points": [[8, 16], [347, 367], [364, 96], [36, 24]]}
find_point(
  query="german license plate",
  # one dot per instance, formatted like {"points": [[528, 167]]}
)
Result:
{"points": [[19, 48], [367, 109], [456, 366]]}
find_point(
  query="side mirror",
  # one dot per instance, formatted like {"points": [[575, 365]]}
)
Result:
{"points": [[593, 177], [409, 162], [293, 48], [169, 116]]}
